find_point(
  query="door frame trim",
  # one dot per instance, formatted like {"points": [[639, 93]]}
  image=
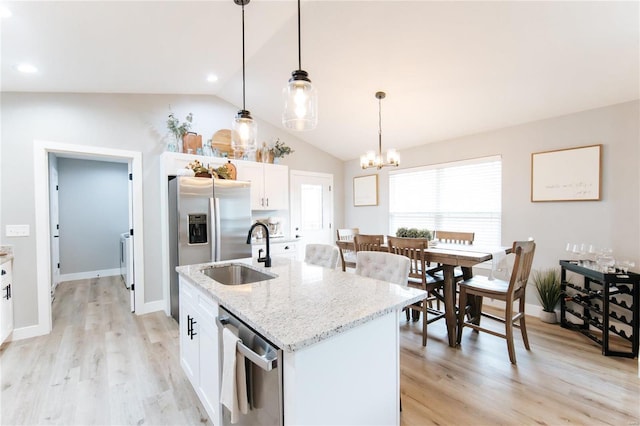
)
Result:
{"points": [[41, 150]]}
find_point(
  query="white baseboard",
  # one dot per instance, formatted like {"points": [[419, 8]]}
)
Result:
{"points": [[27, 332], [147, 308], [89, 274]]}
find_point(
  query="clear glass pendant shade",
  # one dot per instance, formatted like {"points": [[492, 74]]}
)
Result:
{"points": [[244, 133], [300, 103]]}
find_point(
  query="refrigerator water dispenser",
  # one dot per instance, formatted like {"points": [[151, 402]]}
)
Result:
{"points": [[197, 228]]}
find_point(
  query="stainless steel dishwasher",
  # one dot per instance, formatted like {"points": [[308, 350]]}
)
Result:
{"points": [[263, 365]]}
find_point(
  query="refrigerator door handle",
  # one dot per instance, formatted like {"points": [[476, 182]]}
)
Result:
{"points": [[215, 223]]}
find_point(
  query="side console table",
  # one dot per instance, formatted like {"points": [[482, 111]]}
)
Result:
{"points": [[607, 305]]}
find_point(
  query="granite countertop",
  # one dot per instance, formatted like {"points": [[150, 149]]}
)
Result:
{"points": [[6, 254], [305, 303]]}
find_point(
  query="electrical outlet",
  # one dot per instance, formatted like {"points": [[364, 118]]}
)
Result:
{"points": [[17, 231]]}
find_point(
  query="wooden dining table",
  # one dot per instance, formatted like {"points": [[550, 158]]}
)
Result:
{"points": [[450, 256]]}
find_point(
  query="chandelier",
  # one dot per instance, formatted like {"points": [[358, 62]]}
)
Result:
{"points": [[245, 129], [370, 159]]}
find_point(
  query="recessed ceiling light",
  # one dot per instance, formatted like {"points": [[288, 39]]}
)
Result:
{"points": [[4, 12], [212, 78], [27, 68]]}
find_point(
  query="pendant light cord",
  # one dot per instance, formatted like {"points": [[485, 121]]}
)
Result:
{"points": [[299, 54], [380, 128], [243, 88]]}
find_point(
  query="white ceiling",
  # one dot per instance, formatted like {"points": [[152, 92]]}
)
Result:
{"points": [[449, 68]]}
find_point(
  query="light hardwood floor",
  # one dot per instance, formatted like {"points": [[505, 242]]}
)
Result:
{"points": [[103, 365]]}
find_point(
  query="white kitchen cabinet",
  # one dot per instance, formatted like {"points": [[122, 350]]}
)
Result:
{"points": [[199, 345], [6, 303], [269, 184]]}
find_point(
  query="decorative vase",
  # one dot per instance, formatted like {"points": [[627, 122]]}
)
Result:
{"points": [[172, 147], [548, 317]]}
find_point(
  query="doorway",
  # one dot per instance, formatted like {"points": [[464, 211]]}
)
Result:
{"points": [[44, 231], [94, 204], [312, 207]]}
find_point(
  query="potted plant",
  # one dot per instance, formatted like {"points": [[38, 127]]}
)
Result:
{"points": [[414, 233], [549, 290], [280, 149], [200, 170], [178, 129]]}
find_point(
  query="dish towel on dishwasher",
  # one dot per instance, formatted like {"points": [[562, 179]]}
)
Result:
{"points": [[498, 264], [233, 392]]}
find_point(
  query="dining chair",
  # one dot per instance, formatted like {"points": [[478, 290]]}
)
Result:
{"points": [[364, 242], [414, 250], [345, 247], [322, 255], [454, 237], [474, 289], [384, 266]]}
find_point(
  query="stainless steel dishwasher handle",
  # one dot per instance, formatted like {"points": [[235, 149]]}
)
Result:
{"points": [[262, 361]]}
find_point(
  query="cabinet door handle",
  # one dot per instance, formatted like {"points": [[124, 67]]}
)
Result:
{"points": [[190, 326], [7, 294], [193, 333], [3, 272], [286, 247], [267, 202]]}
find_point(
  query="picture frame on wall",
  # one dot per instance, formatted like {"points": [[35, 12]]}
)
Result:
{"points": [[365, 190], [571, 174]]}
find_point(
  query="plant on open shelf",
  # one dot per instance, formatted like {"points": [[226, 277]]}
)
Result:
{"points": [[201, 170], [549, 290], [280, 149], [178, 129]]}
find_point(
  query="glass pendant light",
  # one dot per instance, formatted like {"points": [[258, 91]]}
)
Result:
{"points": [[371, 159], [300, 97], [244, 130]]}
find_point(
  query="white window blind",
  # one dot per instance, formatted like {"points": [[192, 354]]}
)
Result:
{"points": [[464, 196]]}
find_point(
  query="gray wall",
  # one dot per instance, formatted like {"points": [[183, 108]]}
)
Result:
{"points": [[612, 222], [94, 204], [127, 122]]}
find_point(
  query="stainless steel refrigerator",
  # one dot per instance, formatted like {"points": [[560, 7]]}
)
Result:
{"points": [[208, 221]]}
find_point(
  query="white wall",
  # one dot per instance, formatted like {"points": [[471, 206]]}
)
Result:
{"points": [[127, 122], [612, 222], [94, 211]]}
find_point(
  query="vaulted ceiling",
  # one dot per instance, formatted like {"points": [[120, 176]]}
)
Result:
{"points": [[449, 68]]}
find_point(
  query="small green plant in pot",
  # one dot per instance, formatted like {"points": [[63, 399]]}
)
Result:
{"points": [[549, 290]]}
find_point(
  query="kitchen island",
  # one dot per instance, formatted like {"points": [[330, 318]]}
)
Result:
{"points": [[338, 333]]}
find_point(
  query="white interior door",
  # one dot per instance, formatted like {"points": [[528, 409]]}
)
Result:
{"points": [[54, 222], [312, 207]]}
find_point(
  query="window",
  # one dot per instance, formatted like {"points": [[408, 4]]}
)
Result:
{"points": [[463, 196]]}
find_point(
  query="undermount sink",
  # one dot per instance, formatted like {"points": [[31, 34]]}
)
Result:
{"points": [[236, 274]]}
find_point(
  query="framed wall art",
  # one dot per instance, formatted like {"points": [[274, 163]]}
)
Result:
{"points": [[572, 174], [365, 190]]}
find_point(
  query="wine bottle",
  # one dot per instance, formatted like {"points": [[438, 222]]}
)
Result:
{"points": [[583, 298]]}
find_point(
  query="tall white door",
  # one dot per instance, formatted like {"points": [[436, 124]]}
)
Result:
{"points": [[312, 207], [54, 222]]}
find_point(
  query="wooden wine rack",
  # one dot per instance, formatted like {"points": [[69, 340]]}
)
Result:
{"points": [[609, 306]]}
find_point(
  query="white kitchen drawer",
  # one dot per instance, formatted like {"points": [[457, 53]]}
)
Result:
{"points": [[276, 249]]}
